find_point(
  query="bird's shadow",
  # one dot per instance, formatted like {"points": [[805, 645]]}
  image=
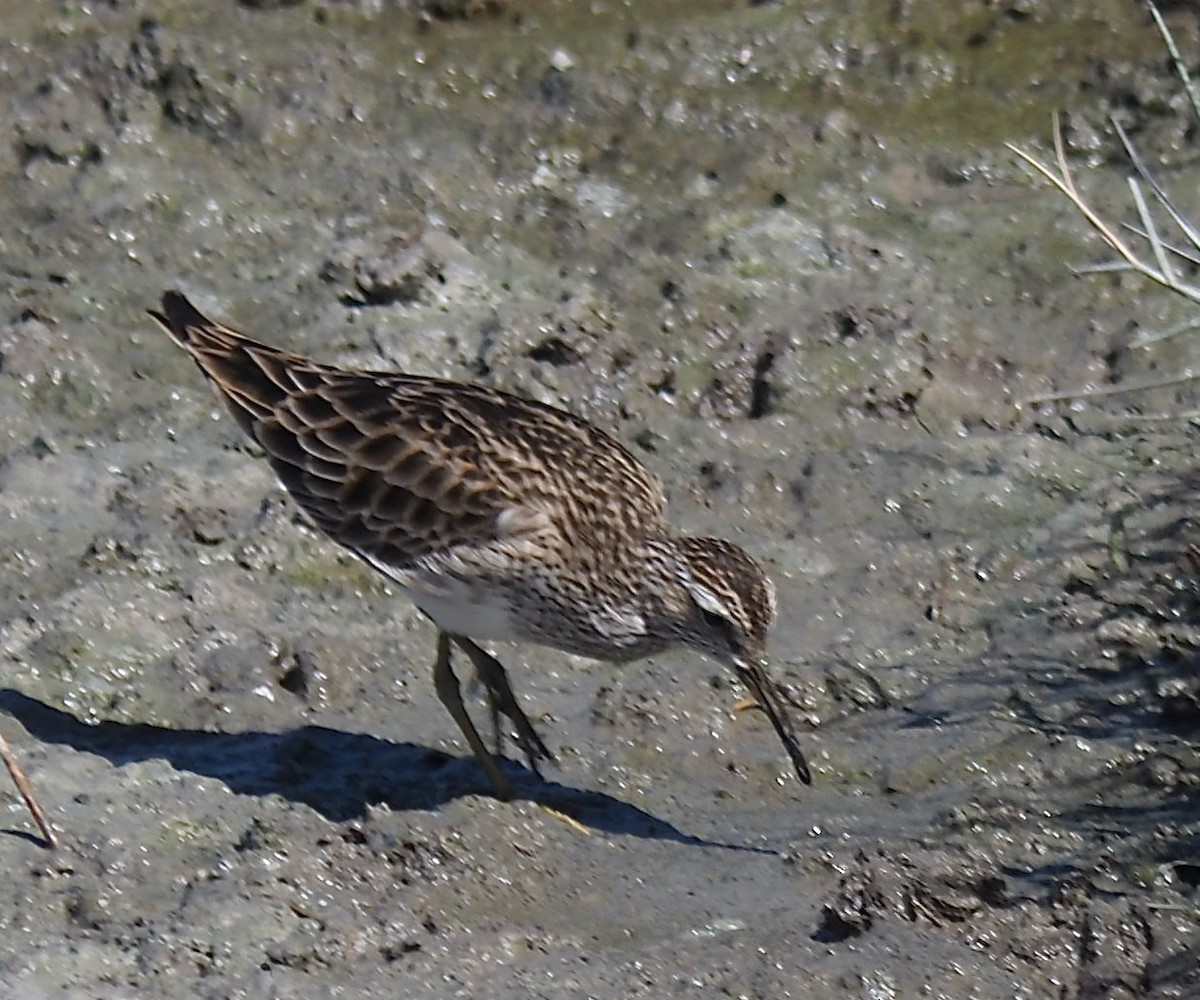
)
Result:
{"points": [[338, 774]]}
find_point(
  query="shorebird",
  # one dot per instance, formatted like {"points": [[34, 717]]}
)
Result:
{"points": [[499, 517]]}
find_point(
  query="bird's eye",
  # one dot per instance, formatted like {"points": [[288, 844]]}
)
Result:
{"points": [[723, 627]]}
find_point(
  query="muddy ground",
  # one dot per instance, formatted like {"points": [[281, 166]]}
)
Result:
{"points": [[778, 247]]}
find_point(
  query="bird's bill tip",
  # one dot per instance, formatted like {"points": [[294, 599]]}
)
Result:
{"points": [[753, 674]]}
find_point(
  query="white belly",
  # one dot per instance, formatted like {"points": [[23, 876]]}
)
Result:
{"points": [[461, 610], [455, 606]]}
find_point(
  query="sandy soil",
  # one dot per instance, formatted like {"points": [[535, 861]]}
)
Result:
{"points": [[779, 248]]}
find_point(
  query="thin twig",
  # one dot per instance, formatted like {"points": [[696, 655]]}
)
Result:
{"points": [[1066, 185], [1064, 182], [1160, 255], [1187, 256], [1158, 265], [1112, 390], [1176, 58], [1160, 192], [23, 786], [1147, 337]]}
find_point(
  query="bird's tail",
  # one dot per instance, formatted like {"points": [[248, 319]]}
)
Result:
{"points": [[181, 319], [253, 378]]}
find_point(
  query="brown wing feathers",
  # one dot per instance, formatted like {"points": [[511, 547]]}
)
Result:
{"points": [[401, 465], [358, 467], [252, 377]]}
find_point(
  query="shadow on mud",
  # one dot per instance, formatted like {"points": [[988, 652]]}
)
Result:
{"points": [[336, 773]]}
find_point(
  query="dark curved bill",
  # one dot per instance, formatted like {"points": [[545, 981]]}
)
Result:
{"points": [[760, 686]]}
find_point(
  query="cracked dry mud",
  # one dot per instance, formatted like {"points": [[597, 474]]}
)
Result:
{"points": [[778, 248]]}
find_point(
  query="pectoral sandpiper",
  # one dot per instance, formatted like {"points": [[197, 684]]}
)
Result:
{"points": [[500, 518]]}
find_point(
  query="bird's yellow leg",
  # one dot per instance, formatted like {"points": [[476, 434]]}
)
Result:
{"points": [[450, 695], [492, 674], [502, 701]]}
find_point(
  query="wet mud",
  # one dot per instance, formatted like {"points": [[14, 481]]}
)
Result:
{"points": [[780, 249]]}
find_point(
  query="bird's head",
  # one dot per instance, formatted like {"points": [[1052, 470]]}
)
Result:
{"points": [[729, 607], [730, 600]]}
